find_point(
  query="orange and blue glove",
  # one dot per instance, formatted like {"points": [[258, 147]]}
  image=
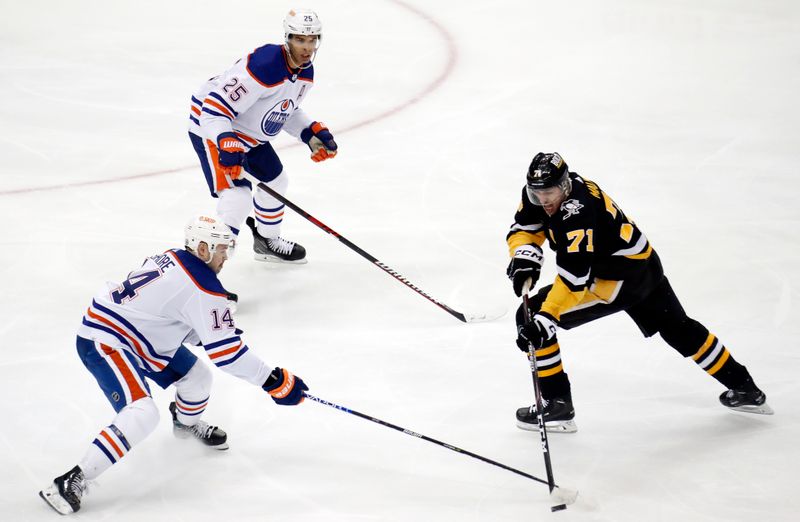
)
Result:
{"points": [[320, 140], [285, 388], [231, 154]]}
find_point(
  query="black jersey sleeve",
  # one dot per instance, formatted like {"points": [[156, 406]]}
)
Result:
{"points": [[527, 229]]}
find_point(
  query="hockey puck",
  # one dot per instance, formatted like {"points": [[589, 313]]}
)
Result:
{"points": [[560, 507]]}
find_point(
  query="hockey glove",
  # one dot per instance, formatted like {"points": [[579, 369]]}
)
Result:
{"points": [[536, 333], [231, 154], [320, 140], [526, 264], [284, 388]]}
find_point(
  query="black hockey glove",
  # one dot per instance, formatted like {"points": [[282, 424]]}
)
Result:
{"points": [[536, 333], [285, 388], [526, 264]]}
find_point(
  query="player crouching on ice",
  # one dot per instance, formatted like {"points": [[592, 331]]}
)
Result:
{"points": [[234, 117], [135, 330], [605, 265]]}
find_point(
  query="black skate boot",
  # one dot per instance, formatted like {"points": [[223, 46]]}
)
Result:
{"points": [[64, 494], [558, 416], [277, 249], [211, 436], [747, 398]]}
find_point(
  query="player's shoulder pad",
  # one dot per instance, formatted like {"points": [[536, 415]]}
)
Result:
{"points": [[268, 65], [199, 273]]}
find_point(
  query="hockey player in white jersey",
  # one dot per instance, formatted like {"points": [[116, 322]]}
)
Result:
{"points": [[134, 332], [236, 114]]}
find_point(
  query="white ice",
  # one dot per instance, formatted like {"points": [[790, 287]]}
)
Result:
{"points": [[685, 111]]}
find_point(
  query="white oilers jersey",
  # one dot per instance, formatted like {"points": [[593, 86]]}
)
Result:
{"points": [[173, 298], [256, 98]]}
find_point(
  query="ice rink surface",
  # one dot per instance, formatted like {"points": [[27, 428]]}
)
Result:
{"points": [[684, 111]]}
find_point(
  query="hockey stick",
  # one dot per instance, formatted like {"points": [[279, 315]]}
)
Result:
{"points": [[568, 495], [466, 318], [558, 500]]}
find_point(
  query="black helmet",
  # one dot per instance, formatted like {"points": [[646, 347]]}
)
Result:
{"points": [[548, 169]]}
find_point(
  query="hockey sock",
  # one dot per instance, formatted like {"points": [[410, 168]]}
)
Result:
{"points": [[132, 425], [718, 362], [192, 393], [552, 379], [268, 210]]}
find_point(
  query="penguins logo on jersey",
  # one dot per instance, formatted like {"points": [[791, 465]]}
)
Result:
{"points": [[275, 117], [571, 207]]}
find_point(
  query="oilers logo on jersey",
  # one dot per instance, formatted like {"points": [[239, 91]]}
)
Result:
{"points": [[275, 117]]}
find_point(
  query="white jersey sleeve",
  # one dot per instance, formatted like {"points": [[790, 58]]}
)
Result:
{"points": [[298, 121]]}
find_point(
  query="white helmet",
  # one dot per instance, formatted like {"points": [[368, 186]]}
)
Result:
{"points": [[211, 231], [302, 21]]}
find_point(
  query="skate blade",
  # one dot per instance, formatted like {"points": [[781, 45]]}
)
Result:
{"points": [[54, 500], [763, 409], [265, 258], [551, 427]]}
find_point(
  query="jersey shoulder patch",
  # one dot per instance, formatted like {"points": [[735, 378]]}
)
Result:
{"points": [[267, 65], [202, 276], [571, 207]]}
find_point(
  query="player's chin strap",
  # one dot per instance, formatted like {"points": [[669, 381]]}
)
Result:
{"points": [[313, 56]]}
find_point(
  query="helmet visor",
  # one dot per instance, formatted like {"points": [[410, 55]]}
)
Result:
{"points": [[549, 195]]}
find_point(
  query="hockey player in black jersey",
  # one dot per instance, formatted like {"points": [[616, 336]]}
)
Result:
{"points": [[605, 264]]}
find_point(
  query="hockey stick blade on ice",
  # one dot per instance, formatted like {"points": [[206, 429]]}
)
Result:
{"points": [[559, 499], [463, 317], [558, 494]]}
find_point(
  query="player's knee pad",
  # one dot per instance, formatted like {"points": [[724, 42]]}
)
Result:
{"points": [[233, 206], [279, 184], [196, 384], [137, 420], [685, 335]]}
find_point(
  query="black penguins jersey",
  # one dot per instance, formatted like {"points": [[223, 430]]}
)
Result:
{"points": [[598, 248]]}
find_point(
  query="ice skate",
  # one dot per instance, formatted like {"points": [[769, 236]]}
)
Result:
{"points": [[275, 249], [64, 494], [211, 436], [747, 398], [558, 416]]}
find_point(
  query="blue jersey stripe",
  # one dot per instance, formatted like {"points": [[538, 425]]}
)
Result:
{"points": [[129, 326], [198, 102], [229, 340], [194, 119], [223, 102], [215, 113], [107, 330], [232, 359]]}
